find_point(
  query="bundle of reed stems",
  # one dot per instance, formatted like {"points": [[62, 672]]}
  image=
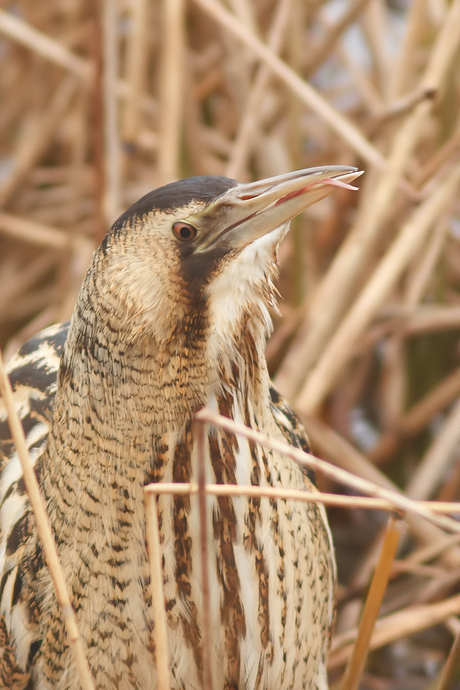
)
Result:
{"points": [[102, 102]]}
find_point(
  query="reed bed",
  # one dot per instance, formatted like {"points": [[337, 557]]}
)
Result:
{"points": [[102, 102]]}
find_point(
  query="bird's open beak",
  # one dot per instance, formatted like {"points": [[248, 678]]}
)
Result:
{"points": [[248, 211]]}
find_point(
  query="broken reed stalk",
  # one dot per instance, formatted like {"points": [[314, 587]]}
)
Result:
{"points": [[371, 609], [46, 536], [160, 630]]}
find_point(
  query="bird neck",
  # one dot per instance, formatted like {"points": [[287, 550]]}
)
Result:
{"points": [[120, 397]]}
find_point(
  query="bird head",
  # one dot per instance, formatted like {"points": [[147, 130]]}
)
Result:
{"points": [[203, 250]]}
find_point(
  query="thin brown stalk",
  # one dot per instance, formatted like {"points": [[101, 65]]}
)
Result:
{"points": [[339, 349], [306, 460], [37, 233], [430, 552], [20, 31], [333, 294], [136, 62], [428, 319], [364, 502], [389, 628], [172, 90], [371, 609], [318, 56], [435, 463], [404, 64], [424, 268], [306, 93], [40, 138], [160, 631], [342, 453], [284, 494], [249, 121], [46, 536], [374, 24], [435, 401], [449, 673], [112, 173]]}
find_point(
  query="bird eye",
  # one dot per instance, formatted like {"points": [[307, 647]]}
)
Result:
{"points": [[184, 231]]}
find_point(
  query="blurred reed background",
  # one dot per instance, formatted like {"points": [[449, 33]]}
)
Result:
{"points": [[101, 102]]}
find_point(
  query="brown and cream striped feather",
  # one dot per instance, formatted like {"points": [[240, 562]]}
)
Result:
{"points": [[261, 633]]}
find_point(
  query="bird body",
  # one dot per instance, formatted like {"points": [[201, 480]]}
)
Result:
{"points": [[165, 324]]}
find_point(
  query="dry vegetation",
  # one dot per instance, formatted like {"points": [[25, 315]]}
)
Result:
{"points": [[102, 102]]}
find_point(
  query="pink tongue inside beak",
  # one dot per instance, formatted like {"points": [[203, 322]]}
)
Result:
{"points": [[339, 183], [327, 181]]}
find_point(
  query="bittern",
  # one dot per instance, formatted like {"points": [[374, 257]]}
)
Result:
{"points": [[172, 316]]}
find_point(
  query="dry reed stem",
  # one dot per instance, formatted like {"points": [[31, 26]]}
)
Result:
{"points": [[46, 536], [40, 138], [241, 147], [334, 291], [389, 628], [160, 631], [172, 88], [428, 319], [430, 552], [436, 400], [20, 31], [333, 34], [444, 507], [451, 668], [404, 62], [437, 459], [416, 321], [36, 233], [373, 93], [16, 285], [44, 319], [113, 158], [438, 160], [424, 268], [306, 460], [333, 446], [355, 666], [136, 63], [403, 248], [306, 93]]}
